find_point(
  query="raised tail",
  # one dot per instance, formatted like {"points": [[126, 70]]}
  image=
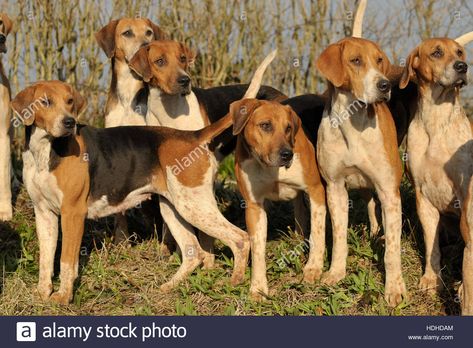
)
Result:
{"points": [[357, 30], [216, 128]]}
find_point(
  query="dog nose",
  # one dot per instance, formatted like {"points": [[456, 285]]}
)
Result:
{"points": [[3, 38], [69, 122], [286, 154], [383, 86], [460, 67], [184, 80]]}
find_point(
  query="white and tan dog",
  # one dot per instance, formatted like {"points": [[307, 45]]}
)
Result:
{"points": [[440, 152], [357, 148], [5, 155]]}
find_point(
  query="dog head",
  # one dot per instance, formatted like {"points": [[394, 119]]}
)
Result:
{"points": [[358, 66], [268, 128], [50, 105], [5, 28], [121, 38], [164, 65], [438, 61]]}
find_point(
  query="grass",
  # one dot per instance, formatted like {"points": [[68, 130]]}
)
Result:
{"points": [[124, 279]]}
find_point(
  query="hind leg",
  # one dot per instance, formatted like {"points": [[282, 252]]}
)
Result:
{"points": [[301, 215], [183, 233], [207, 244], [198, 206]]}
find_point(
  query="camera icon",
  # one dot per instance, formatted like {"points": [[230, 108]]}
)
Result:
{"points": [[26, 331]]}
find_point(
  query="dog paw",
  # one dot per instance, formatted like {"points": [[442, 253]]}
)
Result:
{"points": [[60, 298], [394, 292], [209, 261], [430, 283], [311, 275], [45, 291], [6, 212], [258, 294], [167, 287], [331, 278], [237, 278]]}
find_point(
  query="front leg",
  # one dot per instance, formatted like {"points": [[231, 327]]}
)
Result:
{"points": [[257, 224], [429, 217], [337, 200], [5, 179], [47, 232], [72, 223], [313, 268], [395, 287]]}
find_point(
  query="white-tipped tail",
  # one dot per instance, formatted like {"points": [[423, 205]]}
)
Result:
{"points": [[255, 83], [357, 29], [464, 39]]}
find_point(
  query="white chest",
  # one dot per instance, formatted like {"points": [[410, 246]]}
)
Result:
{"points": [[40, 183], [276, 184], [175, 111]]}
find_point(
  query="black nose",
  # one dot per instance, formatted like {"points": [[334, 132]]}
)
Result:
{"points": [[460, 67], [69, 122], [184, 80], [286, 154], [384, 86], [3, 38]]}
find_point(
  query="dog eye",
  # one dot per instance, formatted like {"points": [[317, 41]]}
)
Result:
{"points": [[127, 33], [356, 61], [460, 53], [266, 126], [437, 54], [160, 62], [69, 101], [288, 129], [149, 32], [183, 59], [45, 102], [379, 60]]}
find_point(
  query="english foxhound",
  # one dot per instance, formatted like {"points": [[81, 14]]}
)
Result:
{"points": [[440, 153], [128, 96], [357, 148], [5, 155], [275, 160]]}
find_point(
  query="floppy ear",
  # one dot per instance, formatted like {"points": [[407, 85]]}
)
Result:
{"points": [[106, 38], [7, 23], [296, 124], [140, 64], [330, 65], [21, 105], [158, 33], [241, 111], [190, 53], [79, 101], [409, 70]]}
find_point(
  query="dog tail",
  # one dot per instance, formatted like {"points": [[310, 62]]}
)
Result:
{"points": [[213, 130], [357, 30], [464, 39]]}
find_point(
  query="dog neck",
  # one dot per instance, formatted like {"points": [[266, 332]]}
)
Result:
{"points": [[38, 143], [347, 112], [438, 107], [177, 111], [124, 86]]}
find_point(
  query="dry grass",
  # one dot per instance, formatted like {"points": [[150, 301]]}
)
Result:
{"points": [[125, 280]]}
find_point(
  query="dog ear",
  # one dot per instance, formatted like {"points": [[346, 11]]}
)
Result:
{"points": [[296, 124], [21, 105], [241, 111], [190, 54], [106, 38], [330, 65], [158, 33], [80, 103], [412, 63], [140, 64], [7, 23]]}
